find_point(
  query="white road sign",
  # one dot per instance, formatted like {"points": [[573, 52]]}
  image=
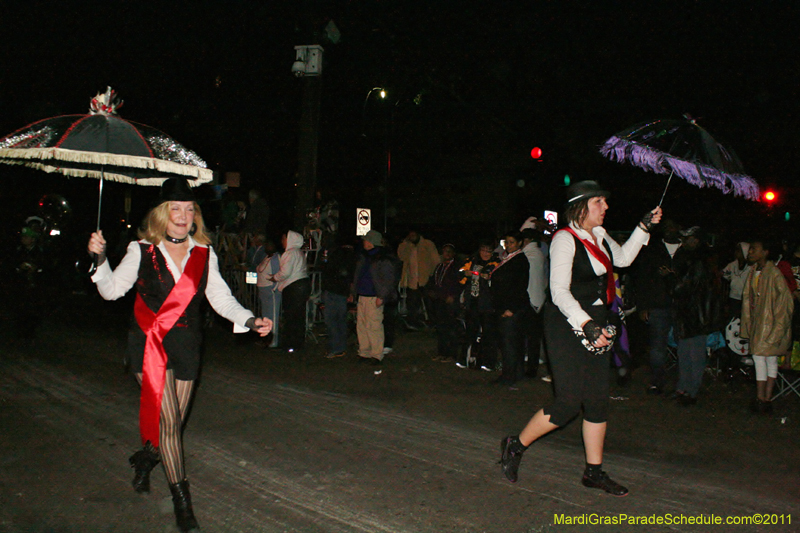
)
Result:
{"points": [[363, 221], [552, 218]]}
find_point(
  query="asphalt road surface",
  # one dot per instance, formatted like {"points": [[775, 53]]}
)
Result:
{"points": [[282, 442]]}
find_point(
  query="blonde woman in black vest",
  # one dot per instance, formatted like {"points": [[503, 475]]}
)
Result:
{"points": [[174, 269], [579, 329]]}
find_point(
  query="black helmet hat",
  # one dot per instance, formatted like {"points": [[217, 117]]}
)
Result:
{"points": [[584, 190]]}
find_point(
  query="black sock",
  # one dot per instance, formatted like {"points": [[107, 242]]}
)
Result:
{"points": [[516, 446], [593, 471]]}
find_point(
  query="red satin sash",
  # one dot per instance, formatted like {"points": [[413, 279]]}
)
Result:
{"points": [[611, 287], [156, 326]]}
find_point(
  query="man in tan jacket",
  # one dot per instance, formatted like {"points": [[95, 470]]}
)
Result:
{"points": [[766, 320], [419, 257]]}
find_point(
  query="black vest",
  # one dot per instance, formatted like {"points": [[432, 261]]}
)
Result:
{"points": [[182, 343], [586, 285], [156, 282]]}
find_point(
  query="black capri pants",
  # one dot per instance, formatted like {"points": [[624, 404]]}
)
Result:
{"points": [[580, 378]]}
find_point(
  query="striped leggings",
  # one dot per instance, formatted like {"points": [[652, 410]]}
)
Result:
{"points": [[174, 405]]}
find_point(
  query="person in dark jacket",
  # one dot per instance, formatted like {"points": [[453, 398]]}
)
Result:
{"points": [[697, 307], [26, 276], [257, 216], [338, 265], [444, 292], [479, 310], [509, 282], [374, 283], [653, 298], [390, 308]]}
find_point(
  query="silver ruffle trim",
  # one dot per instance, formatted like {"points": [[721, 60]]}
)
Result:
{"points": [[168, 149], [33, 138]]}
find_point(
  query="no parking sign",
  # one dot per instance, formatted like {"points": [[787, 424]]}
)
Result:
{"points": [[552, 219], [363, 221]]}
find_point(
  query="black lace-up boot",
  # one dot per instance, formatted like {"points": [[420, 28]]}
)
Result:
{"points": [[182, 501], [142, 463]]}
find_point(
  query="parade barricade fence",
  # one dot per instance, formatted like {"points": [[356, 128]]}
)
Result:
{"points": [[231, 249]]}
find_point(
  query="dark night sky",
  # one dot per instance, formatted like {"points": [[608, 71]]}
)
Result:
{"points": [[492, 80]]}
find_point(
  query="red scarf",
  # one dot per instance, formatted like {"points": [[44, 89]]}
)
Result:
{"points": [[611, 288], [156, 326]]}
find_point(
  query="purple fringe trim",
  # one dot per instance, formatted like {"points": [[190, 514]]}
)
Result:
{"points": [[697, 174]]}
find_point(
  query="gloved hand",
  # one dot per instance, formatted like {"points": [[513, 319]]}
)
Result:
{"points": [[650, 219], [592, 331]]}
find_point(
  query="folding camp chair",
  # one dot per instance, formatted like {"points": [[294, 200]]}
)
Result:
{"points": [[787, 382], [714, 341]]}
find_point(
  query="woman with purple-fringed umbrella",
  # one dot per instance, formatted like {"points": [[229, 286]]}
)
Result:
{"points": [[580, 330]]}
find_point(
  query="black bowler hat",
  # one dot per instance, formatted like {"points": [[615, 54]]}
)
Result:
{"points": [[584, 190], [176, 190]]}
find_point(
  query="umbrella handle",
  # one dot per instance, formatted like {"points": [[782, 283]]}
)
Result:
{"points": [[93, 269], [100, 198], [665, 189]]}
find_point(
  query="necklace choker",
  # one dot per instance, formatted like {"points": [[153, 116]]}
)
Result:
{"points": [[173, 240]]}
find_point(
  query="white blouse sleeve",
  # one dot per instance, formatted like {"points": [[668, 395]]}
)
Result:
{"points": [[625, 254], [220, 297], [114, 284]]}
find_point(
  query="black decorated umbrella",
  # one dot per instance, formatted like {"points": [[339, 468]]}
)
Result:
{"points": [[682, 148], [102, 145]]}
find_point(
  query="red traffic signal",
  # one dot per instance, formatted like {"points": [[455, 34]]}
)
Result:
{"points": [[770, 196], [536, 153]]}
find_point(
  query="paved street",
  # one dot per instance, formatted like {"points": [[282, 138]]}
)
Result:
{"points": [[278, 442]]}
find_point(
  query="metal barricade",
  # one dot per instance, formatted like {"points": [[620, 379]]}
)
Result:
{"points": [[246, 294], [231, 250]]}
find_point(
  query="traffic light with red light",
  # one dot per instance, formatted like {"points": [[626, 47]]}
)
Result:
{"points": [[770, 196]]}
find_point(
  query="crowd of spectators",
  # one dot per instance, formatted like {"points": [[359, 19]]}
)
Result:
{"points": [[485, 305]]}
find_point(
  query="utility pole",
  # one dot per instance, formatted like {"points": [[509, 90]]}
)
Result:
{"points": [[307, 65]]}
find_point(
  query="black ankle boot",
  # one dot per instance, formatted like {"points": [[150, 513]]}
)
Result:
{"points": [[142, 463], [182, 500], [511, 450]]}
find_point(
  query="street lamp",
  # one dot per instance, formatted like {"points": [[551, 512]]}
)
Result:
{"points": [[381, 93]]}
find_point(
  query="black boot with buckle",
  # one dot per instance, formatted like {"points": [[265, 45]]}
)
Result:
{"points": [[182, 500], [142, 463], [511, 450]]}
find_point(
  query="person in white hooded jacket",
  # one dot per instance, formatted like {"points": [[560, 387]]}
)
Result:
{"points": [[295, 286]]}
